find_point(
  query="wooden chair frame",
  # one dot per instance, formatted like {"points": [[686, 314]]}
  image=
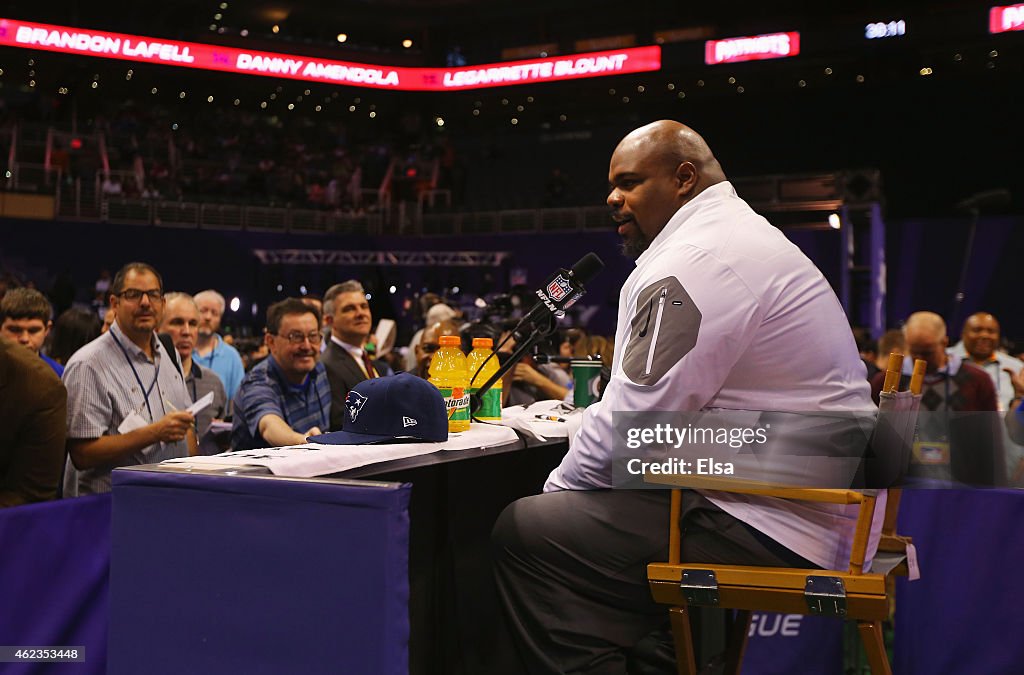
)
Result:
{"points": [[853, 594]]}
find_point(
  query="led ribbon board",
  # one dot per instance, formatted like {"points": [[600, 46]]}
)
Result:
{"points": [[1005, 19], [753, 48], [310, 69]]}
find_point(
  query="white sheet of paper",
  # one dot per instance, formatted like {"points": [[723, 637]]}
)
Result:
{"points": [[201, 404], [131, 423], [314, 459], [525, 419]]}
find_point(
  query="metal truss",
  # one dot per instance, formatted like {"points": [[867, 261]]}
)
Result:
{"points": [[296, 256]]}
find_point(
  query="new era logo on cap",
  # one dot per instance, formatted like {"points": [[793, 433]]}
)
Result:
{"points": [[391, 409]]}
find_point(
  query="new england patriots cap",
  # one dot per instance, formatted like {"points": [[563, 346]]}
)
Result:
{"points": [[394, 408]]}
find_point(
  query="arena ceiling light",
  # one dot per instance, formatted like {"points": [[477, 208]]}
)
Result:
{"points": [[27, 35]]}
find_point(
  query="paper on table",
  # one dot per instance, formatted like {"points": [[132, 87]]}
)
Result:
{"points": [[481, 436], [211, 442], [314, 459], [525, 419]]}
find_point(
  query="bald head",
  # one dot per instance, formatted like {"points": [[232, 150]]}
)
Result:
{"points": [[925, 322], [672, 143], [981, 336], [654, 171], [925, 336]]}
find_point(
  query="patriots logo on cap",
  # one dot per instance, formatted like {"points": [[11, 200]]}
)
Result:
{"points": [[409, 422], [559, 288], [354, 403]]}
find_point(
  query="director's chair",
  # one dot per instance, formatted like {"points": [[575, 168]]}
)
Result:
{"points": [[853, 594]]}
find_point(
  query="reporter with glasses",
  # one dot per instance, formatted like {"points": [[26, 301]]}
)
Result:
{"points": [[286, 397], [127, 400]]}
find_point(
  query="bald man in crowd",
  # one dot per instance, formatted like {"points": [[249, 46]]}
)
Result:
{"points": [[180, 321], [706, 323], [955, 442], [980, 344], [979, 341]]}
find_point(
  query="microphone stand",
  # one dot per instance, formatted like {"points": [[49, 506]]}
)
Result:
{"points": [[961, 286], [540, 331]]}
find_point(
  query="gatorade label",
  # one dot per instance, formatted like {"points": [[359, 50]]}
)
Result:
{"points": [[457, 403], [490, 404]]}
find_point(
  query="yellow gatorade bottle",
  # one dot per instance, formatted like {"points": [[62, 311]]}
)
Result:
{"points": [[450, 374], [490, 408]]}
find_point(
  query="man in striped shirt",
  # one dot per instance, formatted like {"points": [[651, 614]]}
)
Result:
{"points": [[126, 397], [285, 397]]}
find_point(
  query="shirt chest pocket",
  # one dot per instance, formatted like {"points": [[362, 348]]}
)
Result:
{"points": [[663, 330]]}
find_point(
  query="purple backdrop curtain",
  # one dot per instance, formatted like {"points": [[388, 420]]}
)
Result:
{"points": [[963, 614], [54, 564], [222, 574]]}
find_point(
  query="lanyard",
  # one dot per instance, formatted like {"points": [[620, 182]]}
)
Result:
{"points": [[946, 403], [195, 397], [145, 391], [211, 357]]}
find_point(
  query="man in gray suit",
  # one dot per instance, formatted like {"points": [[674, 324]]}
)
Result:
{"points": [[346, 360]]}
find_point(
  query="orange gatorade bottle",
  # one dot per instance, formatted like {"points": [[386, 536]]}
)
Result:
{"points": [[449, 372]]}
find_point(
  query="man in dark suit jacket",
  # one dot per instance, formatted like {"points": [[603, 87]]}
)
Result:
{"points": [[33, 426], [348, 363]]}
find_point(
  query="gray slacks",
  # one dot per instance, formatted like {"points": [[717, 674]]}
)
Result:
{"points": [[571, 569]]}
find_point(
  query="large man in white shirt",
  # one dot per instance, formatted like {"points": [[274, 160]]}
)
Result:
{"points": [[707, 321]]}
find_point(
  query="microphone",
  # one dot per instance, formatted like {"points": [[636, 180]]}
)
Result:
{"points": [[985, 200], [564, 288], [559, 293]]}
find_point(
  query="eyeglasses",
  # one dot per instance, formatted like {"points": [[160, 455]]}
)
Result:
{"points": [[297, 338], [134, 294], [429, 347]]}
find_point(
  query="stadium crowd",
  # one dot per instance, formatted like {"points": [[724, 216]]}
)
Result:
{"points": [[111, 384], [92, 390]]}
